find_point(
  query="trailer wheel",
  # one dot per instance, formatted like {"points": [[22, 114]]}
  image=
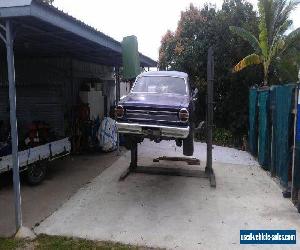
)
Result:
{"points": [[36, 173]]}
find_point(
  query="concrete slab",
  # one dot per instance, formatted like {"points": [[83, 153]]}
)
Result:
{"points": [[25, 233], [174, 212], [63, 179]]}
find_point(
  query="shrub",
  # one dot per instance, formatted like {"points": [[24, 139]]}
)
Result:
{"points": [[221, 137]]}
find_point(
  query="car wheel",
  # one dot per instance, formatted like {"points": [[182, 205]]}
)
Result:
{"points": [[188, 144], [36, 173]]}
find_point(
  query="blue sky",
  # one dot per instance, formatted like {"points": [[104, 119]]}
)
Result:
{"points": [[147, 19]]}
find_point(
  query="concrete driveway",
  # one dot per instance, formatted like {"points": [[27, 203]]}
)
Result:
{"points": [[63, 179], [176, 212]]}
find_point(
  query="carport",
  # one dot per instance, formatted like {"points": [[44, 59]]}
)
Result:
{"points": [[32, 29]]}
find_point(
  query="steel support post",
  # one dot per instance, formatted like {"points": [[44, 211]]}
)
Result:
{"points": [[133, 162], [134, 157], [209, 115], [117, 75], [117, 81], [210, 104], [13, 122]]}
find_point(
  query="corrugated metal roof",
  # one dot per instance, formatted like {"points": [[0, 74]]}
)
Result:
{"points": [[14, 3], [48, 14]]}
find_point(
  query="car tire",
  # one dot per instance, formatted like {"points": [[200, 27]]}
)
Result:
{"points": [[188, 144], [36, 173]]}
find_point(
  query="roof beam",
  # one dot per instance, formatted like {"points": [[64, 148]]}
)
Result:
{"points": [[14, 11]]}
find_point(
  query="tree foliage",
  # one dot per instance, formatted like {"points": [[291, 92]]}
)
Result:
{"points": [[272, 42], [186, 50], [286, 67]]}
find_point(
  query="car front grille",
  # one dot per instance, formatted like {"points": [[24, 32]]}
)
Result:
{"points": [[150, 116]]}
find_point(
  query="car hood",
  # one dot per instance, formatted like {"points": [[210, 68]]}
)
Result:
{"points": [[160, 100]]}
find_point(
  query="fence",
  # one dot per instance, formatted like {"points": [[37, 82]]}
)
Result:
{"points": [[253, 121], [264, 128], [272, 137]]}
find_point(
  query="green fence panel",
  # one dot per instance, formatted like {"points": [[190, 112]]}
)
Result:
{"points": [[273, 91], [252, 137], [263, 129], [297, 149], [282, 129]]}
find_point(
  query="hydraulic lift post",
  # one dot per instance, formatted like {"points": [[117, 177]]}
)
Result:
{"points": [[210, 110], [208, 173]]}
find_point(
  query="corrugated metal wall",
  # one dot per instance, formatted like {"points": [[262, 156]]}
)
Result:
{"points": [[48, 88], [37, 104]]}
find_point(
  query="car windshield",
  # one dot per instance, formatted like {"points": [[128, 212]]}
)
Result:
{"points": [[160, 84]]}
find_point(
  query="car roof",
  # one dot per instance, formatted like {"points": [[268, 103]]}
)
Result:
{"points": [[165, 73]]}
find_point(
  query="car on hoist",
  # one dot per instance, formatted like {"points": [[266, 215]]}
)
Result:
{"points": [[160, 106]]}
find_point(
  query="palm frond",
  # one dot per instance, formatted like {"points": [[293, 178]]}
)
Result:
{"points": [[285, 11], [266, 10], [277, 47], [247, 36], [293, 38], [279, 13], [263, 34], [278, 41], [247, 61], [279, 31]]}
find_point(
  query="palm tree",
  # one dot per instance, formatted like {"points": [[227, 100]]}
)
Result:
{"points": [[272, 41]]}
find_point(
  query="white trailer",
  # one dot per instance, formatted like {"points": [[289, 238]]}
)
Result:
{"points": [[32, 159]]}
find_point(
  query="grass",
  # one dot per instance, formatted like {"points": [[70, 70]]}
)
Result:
{"points": [[44, 242], [9, 244]]}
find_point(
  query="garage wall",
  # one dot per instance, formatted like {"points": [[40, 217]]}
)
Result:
{"points": [[36, 104], [47, 89], [39, 88]]}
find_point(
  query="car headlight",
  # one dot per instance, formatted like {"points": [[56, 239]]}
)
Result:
{"points": [[119, 111], [184, 115]]}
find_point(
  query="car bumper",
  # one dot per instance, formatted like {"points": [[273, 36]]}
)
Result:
{"points": [[153, 130]]}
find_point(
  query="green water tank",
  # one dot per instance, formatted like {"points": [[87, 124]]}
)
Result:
{"points": [[131, 59]]}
